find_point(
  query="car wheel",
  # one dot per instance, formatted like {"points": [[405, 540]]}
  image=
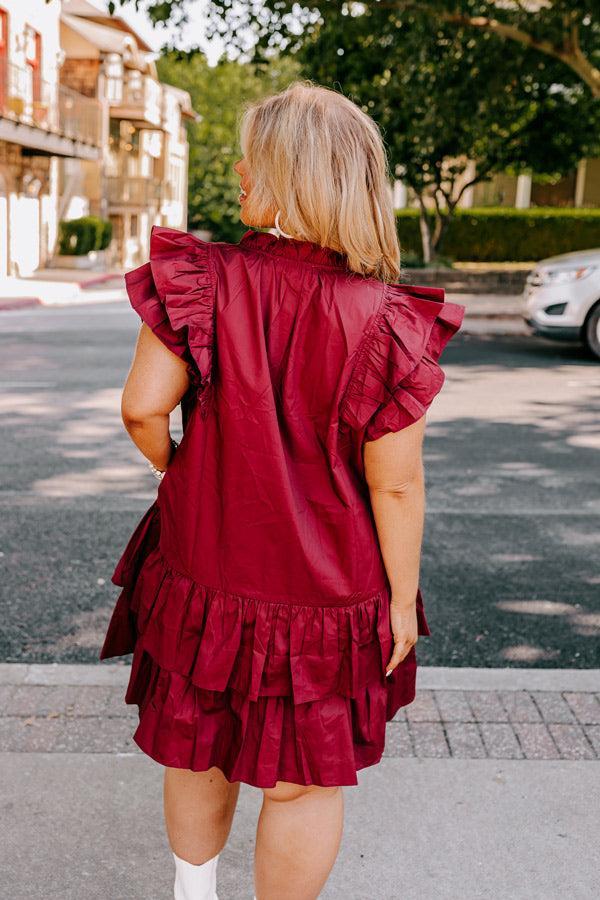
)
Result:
{"points": [[591, 331]]}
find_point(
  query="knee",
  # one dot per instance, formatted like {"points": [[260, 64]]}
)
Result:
{"points": [[284, 791]]}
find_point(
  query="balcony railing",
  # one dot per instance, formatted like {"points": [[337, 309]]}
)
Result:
{"points": [[79, 117], [51, 107], [137, 97], [133, 191]]}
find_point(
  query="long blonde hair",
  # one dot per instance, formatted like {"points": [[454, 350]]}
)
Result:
{"points": [[316, 156]]}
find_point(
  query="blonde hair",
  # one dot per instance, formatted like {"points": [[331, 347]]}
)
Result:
{"points": [[316, 156]]}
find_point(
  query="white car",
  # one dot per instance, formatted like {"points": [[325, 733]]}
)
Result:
{"points": [[562, 298]]}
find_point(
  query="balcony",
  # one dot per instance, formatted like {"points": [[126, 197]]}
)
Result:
{"points": [[48, 118], [80, 118], [137, 98], [132, 192]]}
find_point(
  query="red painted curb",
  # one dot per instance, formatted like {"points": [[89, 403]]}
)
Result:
{"points": [[7, 303]]}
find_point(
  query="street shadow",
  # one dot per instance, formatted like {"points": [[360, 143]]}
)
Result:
{"points": [[509, 570]]}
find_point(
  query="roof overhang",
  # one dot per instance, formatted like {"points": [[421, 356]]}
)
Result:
{"points": [[118, 24], [106, 39]]}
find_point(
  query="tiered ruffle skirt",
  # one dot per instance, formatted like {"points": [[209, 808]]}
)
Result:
{"points": [[263, 690]]}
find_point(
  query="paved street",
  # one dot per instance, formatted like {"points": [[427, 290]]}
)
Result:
{"points": [[510, 566]]}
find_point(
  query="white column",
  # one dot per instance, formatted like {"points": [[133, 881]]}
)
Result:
{"points": [[523, 195], [400, 195]]}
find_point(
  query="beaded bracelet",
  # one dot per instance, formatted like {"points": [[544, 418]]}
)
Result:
{"points": [[159, 474]]}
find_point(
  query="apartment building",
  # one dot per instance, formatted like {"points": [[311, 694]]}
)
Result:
{"points": [[142, 178], [41, 123], [579, 188]]}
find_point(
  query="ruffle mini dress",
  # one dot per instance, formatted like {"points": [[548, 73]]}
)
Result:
{"points": [[254, 597]]}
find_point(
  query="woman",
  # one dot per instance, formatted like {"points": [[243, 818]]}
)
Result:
{"points": [[271, 593]]}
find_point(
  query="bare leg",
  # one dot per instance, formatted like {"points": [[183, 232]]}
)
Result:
{"points": [[199, 808], [297, 840]]}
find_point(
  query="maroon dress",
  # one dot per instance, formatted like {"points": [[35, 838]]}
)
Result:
{"points": [[254, 595]]}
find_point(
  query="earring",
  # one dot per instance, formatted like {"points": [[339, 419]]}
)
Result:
{"points": [[278, 229]]}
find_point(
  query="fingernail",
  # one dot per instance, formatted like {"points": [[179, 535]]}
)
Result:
{"points": [[389, 673]]}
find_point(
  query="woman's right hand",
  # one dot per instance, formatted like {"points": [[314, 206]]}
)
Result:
{"points": [[403, 620]]}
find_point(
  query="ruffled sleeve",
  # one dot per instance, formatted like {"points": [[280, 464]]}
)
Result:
{"points": [[396, 375], [173, 294]]}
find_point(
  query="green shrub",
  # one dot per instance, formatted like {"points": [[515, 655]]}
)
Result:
{"points": [[77, 237], [502, 234], [411, 260]]}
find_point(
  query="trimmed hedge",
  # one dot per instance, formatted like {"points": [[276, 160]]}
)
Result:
{"points": [[78, 237], [493, 234]]}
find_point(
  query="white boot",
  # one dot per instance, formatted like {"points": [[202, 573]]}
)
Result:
{"points": [[195, 882]]}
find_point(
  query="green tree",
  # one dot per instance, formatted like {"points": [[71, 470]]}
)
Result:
{"points": [[218, 94], [566, 30], [448, 81], [456, 106]]}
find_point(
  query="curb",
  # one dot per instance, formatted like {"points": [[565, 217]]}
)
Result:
{"points": [[100, 279], [496, 316], [467, 678], [472, 678], [11, 303], [117, 295]]}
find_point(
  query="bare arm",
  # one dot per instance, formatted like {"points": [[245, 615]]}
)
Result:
{"points": [[394, 473], [156, 382]]}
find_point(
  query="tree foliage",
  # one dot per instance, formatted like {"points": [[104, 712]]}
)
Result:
{"points": [[566, 30], [507, 86], [456, 106]]}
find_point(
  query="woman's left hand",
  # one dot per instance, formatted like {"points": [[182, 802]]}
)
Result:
{"points": [[403, 620]]}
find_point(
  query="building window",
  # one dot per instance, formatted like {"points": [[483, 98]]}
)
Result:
{"points": [[113, 69], [124, 137], [33, 57], [134, 226], [3, 57], [130, 137], [175, 180]]}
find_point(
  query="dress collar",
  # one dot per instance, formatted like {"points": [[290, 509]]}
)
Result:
{"points": [[307, 251]]}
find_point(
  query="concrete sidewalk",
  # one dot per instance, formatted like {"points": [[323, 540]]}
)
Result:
{"points": [[486, 306], [66, 287], [61, 287], [491, 313], [498, 314], [489, 788]]}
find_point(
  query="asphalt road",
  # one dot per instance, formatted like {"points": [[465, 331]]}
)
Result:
{"points": [[510, 573]]}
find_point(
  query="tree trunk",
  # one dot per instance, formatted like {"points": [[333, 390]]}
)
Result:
{"points": [[425, 229], [439, 232]]}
